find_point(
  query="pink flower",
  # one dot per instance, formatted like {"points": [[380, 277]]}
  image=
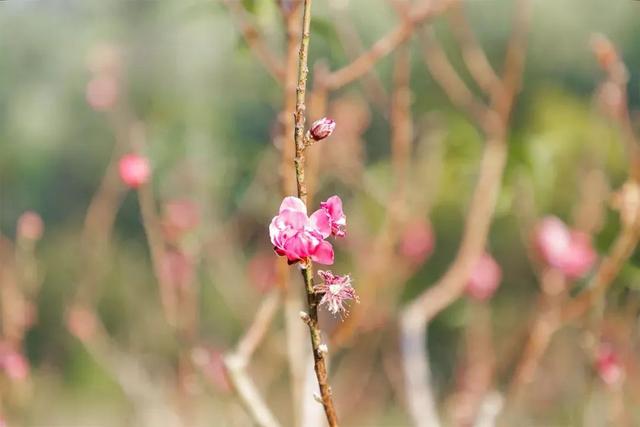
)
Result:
{"points": [[30, 226], [484, 279], [321, 129], [336, 290], [569, 251], [134, 170], [102, 92], [337, 219], [417, 241], [14, 364], [299, 237], [608, 365]]}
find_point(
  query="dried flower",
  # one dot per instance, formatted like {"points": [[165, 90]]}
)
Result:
{"points": [[484, 279], [322, 128], [30, 226], [299, 237], [336, 289], [571, 252], [337, 219], [134, 170]]}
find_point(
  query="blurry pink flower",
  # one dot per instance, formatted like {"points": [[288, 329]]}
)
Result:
{"points": [[177, 269], [484, 279], [322, 128], [608, 365], [102, 92], [580, 257], [30, 226], [15, 365], [417, 241], [299, 237], [336, 290], [262, 272], [134, 170], [337, 218], [82, 323], [568, 251], [180, 217]]}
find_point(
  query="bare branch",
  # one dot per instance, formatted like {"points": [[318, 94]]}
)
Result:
{"points": [[384, 46], [256, 41], [473, 55]]}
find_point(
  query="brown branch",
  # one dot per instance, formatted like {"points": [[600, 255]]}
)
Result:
{"points": [[416, 315], [310, 318], [448, 78], [473, 55], [385, 45], [256, 41], [349, 38]]}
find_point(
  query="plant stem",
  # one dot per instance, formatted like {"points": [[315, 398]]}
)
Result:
{"points": [[311, 320]]}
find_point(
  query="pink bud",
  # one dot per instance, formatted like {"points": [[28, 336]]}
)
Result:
{"points": [[608, 365], [102, 92], [484, 279], [134, 170], [320, 129], [417, 241], [30, 226]]}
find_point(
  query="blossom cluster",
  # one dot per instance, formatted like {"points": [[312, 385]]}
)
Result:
{"points": [[302, 238]]}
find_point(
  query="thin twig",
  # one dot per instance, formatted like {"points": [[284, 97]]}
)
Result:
{"points": [[256, 41], [307, 271], [385, 45], [473, 55]]}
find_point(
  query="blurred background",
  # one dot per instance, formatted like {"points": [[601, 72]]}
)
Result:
{"points": [[88, 337]]}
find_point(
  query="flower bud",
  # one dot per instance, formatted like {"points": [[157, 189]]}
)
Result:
{"points": [[320, 129], [134, 170]]}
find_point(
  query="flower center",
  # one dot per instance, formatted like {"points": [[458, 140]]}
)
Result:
{"points": [[335, 289]]}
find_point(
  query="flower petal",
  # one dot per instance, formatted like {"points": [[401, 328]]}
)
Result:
{"points": [[321, 222], [293, 204], [323, 253]]}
